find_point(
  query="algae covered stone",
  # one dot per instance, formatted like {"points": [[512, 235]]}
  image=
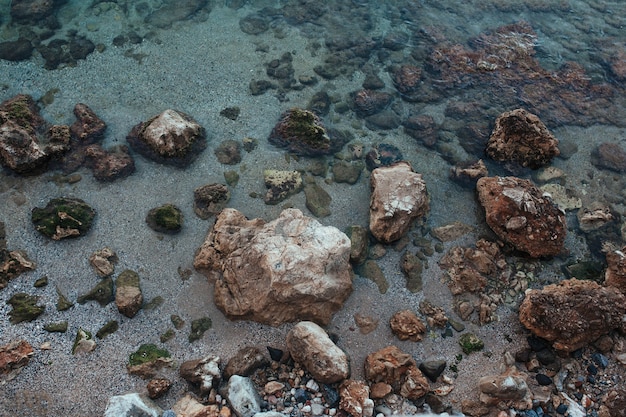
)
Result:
{"points": [[198, 327], [25, 308], [165, 219], [102, 293], [128, 296], [281, 184], [63, 218], [83, 342], [301, 132], [470, 343]]}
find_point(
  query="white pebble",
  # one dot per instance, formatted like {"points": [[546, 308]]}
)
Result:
{"points": [[312, 385], [332, 411], [306, 409]]}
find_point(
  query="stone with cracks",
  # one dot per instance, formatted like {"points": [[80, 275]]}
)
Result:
{"points": [[289, 269], [398, 197], [573, 313]]}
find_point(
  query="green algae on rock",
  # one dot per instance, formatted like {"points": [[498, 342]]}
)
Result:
{"points": [[83, 342], [317, 199], [57, 327], [146, 353], [281, 184], [62, 301], [25, 307], [167, 335], [165, 219], [128, 296], [470, 343], [110, 327], [301, 132], [102, 293], [198, 327], [359, 244], [412, 267], [63, 218], [177, 321]]}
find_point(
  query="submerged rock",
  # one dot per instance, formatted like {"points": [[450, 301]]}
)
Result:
{"points": [[245, 362], [25, 308], [83, 342], [281, 184], [128, 297], [228, 152], [519, 136], [147, 360], [12, 264], [171, 138], [203, 373], [355, 398], [520, 214], [407, 326], [301, 132], [243, 397], [88, 127], [130, 405], [110, 165], [103, 262], [102, 293], [317, 199], [573, 313], [198, 327], [398, 197], [165, 219], [63, 218], [210, 199], [289, 269]]}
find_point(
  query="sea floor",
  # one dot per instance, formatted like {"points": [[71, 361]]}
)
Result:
{"points": [[201, 66]]}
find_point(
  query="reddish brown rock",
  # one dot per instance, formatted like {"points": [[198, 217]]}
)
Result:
{"points": [[210, 199], [354, 398], [519, 136], [103, 262], [128, 296], [407, 326], [12, 264], [573, 313], [88, 127], [518, 212], [615, 274], [203, 373], [369, 102], [469, 172], [415, 384], [422, 128], [171, 137], [388, 365], [509, 389], [109, 165], [407, 80], [609, 155], [13, 357], [398, 197], [289, 269], [158, 387]]}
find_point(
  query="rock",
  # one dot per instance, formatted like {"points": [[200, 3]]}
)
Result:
{"points": [[609, 155], [310, 346], [509, 389], [132, 405], [355, 398], [562, 197], [407, 326], [302, 132], [433, 369], [128, 297], [415, 385], [317, 199], [468, 269], [14, 356], [289, 269], [388, 365], [422, 128], [359, 244], [12, 264], [380, 390], [347, 171], [210, 199], [18, 50], [147, 360], [407, 80], [281, 184], [519, 213], [245, 362], [411, 266], [25, 307], [158, 387], [367, 324], [594, 216], [103, 262], [615, 274], [370, 102], [188, 406], [198, 328], [171, 137], [451, 231], [382, 155], [372, 271], [165, 219], [573, 313], [228, 152], [243, 396], [83, 342], [467, 173], [203, 373], [254, 24], [470, 343], [519, 136], [88, 127], [109, 165], [107, 329], [435, 315], [398, 197], [102, 293], [63, 218]]}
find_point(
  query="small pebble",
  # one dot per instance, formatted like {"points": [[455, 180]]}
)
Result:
{"points": [[312, 385], [169, 413], [561, 409], [592, 369], [600, 360], [306, 409], [543, 379]]}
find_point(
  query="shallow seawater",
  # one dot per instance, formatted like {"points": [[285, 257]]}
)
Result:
{"points": [[128, 61]]}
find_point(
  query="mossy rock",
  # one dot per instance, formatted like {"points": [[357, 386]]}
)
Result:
{"points": [[198, 327], [109, 328], [317, 200], [168, 335], [470, 343], [62, 302], [83, 342], [147, 353], [301, 132], [102, 293], [347, 172], [58, 327], [412, 268], [165, 219], [25, 308], [359, 244], [372, 271], [63, 218]]}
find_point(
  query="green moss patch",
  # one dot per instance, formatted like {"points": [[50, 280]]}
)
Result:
{"points": [[25, 308], [147, 353]]}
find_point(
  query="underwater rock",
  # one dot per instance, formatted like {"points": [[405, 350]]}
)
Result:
{"points": [[317, 199], [171, 137], [302, 133], [281, 184], [509, 389], [398, 197], [359, 244], [128, 297], [210, 199], [573, 313], [63, 218], [615, 274], [407, 326], [102, 293], [468, 173], [470, 343], [83, 342], [133, 404], [372, 271], [243, 396], [369, 102], [289, 269], [381, 155], [451, 231], [109, 165], [355, 398], [203, 373], [347, 171], [147, 360], [595, 216], [519, 136], [422, 128], [392, 366], [198, 327], [32, 11], [282, 70], [176, 11], [520, 214], [468, 269], [18, 50], [254, 24], [407, 80], [25, 307], [107, 329], [165, 219], [88, 127], [412, 267], [609, 155], [311, 346], [228, 152], [12, 264], [103, 262], [158, 387], [14, 356]]}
